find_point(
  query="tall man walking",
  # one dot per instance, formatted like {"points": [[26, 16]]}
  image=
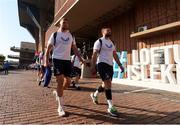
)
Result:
{"points": [[105, 50], [62, 41]]}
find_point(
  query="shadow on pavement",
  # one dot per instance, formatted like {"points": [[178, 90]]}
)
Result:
{"points": [[83, 89], [128, 118], [83, 82]]}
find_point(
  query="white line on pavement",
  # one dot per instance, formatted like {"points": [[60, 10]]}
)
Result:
{"points": [[138, 90]]}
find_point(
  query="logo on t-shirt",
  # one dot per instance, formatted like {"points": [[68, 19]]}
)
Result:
{"points": [[109, 46], [65, 40]]}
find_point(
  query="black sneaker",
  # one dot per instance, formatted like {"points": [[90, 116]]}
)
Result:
{"points": [[39, 83], [78, 87], [74, 86]]}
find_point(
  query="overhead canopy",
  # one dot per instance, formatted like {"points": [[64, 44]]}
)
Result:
{"points": [[29, 8], [87, 14]]}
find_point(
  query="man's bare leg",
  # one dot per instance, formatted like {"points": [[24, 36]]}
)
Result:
{"points": [[67, 82], [59, 94]]}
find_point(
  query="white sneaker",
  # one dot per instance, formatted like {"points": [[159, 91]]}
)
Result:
{"points": [[113, 111], [56, 95], [61, 112]]}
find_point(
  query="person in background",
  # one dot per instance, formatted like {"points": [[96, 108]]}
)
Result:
{"points": [[38, 67], [42, 68], [6, 67], [76, 65]]}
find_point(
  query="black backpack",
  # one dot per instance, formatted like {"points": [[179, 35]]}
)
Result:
{"points": [[100, 45]]}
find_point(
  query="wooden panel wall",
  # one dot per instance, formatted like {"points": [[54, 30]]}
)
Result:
{"points": [[164, 12], [152, 13], [121, 28]]}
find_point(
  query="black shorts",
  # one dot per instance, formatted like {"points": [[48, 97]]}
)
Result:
{"points": [[62, 67], [105, 71], [39, 68], [77, 71]]}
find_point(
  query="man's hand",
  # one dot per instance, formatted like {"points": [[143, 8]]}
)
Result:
{"points": [[83, 61], [49, 48], [116, 58], [46, 64], [122, 68], [93, 61]]}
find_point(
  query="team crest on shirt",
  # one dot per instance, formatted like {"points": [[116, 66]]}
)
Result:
{"points": [[109, 46], [65, 40]]}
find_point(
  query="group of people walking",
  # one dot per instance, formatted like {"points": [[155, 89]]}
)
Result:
{"points": [[60, 44], [44, 73]]}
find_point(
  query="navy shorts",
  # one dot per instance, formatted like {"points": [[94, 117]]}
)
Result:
{"points": [[77, 71], [62, 67], [38, 67], [105, 71]]}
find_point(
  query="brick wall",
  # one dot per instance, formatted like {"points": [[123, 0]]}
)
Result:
{"points": [[48, 33], [58, 5]]}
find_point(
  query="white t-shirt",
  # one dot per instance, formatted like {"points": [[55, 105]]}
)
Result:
{"points": [[62, 48], [76, 61], [106, 53]]}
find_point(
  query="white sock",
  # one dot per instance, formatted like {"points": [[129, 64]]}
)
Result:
{"points": [[96, 93], [60, 102], [110, 103]]}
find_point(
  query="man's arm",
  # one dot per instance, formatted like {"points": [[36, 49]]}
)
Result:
{"points": [[94, 57], [117, 61], [75, 50], [49, 48]]}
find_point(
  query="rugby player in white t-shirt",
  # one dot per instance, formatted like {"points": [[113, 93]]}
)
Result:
{"points": [[61, 60], [105, 50]]}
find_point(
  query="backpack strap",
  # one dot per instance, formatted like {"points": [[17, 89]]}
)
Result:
{"points": [[100, 45], [54, 36], [100, 40]]}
